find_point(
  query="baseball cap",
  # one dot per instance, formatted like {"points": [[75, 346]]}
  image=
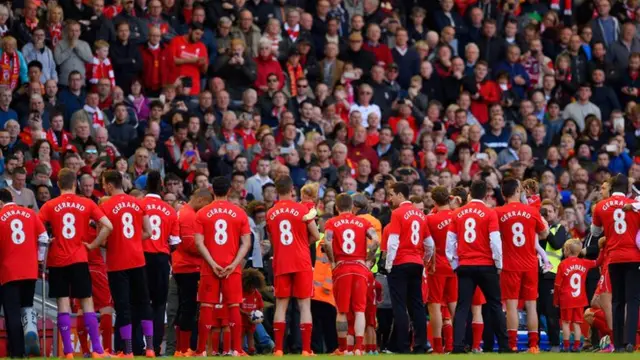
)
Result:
{"points": [[441, 149]]}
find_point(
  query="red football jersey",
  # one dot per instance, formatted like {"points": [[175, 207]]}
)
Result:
{"points": [[289, 237], [124, 244], [438, 223], [186, 258], [411, 225], [350, 236], [472, 224], [164, 225], [519, 224], [620, 228], [222, 224], [20, 228], [70, 216], [569, 287], [95, 258], [251, 301]]}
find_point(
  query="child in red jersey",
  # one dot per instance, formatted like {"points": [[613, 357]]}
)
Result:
{"points": [[570, 292], [252, 282], [374, 296], [100, 67], [247, 130], [531, 189], [308, 198]]}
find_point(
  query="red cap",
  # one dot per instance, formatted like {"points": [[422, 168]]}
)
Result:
{"points": [[441, 149]]}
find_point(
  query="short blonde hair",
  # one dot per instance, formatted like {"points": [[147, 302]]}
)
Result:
{"points": [[572, 247], [310, 190], [100, 44]]}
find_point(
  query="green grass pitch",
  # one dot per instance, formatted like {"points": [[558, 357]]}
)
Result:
{"points": [[541, 356]]}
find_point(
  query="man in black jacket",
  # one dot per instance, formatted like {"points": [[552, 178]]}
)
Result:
{"points": [[126, 59], [360, 58]]}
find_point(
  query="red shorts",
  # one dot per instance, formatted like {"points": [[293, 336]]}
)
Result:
{"points": [[100, 289], [211, 288], [604, 284], [572, 315], [298, 285], [370, 315], [247, 325], [446, 314], [443, 289], [519, 285], [350, 287], [478, 298]]}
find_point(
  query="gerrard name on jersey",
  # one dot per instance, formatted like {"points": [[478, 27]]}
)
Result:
{"points": [[16, 212], [417, 213], [443, 224], [219, 210], [69, 205], [613, 202], [467, 211], [277, 212], [124, 205], [511, 214], [158, 207], [357, 222]]}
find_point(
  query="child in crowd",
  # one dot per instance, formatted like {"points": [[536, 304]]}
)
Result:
{"points": [[308, 198], [252, 283], [100, 67], [247, 130], [374, 296], [570, 292], [531, 187], [219, 324]]}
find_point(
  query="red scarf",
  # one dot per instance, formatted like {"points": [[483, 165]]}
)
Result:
{"points": [[294, 75], [568, 5], [58, 144], [31, 24], [187, 13], [55, 31], [10, 70], [292, 32]]}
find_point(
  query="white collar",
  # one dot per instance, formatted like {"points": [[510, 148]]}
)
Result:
{"points": [[478, 201], [405, 202], [618, 194], [153, 196], [10, 203]]}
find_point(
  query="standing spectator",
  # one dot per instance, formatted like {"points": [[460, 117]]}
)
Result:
{"points": [[605, 27], [492, 46], [100, 24], [127, 61], [22, 195], [121, 133], [266, 66], [137, 26], [249, 32], [406, 58], [73, 97], [517, 73], [237, 69], [155, 18], [373, 45], [483, 92], [190, 56], [361, 59], [72, 54], [255, 184], [38, 51], [627, 44], [579, 110], [12, 64], [156, 64], [100, 66], [331, 69]]}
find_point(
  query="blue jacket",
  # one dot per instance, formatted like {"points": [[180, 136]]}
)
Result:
{"points": [[408, 65], [5, 116], [497, 143], [23, 76], [620, 164], [514, 70], [71, 104]]}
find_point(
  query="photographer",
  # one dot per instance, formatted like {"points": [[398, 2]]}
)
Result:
{"points": [[237, 69], [552, 245]]}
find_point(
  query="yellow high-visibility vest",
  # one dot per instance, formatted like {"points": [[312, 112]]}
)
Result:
{"points": [[322, 280], [554, 255]]}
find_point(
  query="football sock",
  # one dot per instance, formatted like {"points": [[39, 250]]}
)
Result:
{"points": [[178, 344], [91, 326], [204, 326], [533, 339], [600, 323], [565, 345], [349, 348], [447, 334], [83, 336], [184, 338], [215, 341], [278, 333], [513, 338], [342, 344], [305, 330], [147, 332], [437, 345], [476, 329], [576, 345], [235, 324], [125, 335], [64, 326], [106, 327], [359, 342], [226, 341]]}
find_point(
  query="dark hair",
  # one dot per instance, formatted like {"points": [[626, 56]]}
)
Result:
{"points": [[221, 186], [460, 192], [440, 195], [156, 103], [74, 72], [112, 177], [238, 173], [401, 188], [268, 185], [179, 126], [252, 279], [154, 182], [478, 189], [196, 26], [66, 179], [619, 183], [6, 196], [35, 149], [344, 202], [284, 185], [510, 186], [34, 63]]}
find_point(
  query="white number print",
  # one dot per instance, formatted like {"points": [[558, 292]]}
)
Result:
{"points": [[156, 226], [17, 231], [518, 236], [574, 282], [348, 243], [286, 236], [68, 226], [127, 225], [415, 232], [220, 236], [470, 230], [619, 225]]}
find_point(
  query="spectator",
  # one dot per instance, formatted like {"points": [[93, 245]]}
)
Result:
{"points": [[605, 27], [22, 195], [255, 184], [582, 107], [267, 65], [239, 70], [121, 133], [127, 61], [13, 64], [72, 54], [6, 113], [249, 32], [156, 19], [39, 52], [361, 59], [91, 113], [137, 27]]}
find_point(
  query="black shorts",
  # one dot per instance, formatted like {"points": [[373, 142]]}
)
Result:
{"points": [[70, 281], [129, 286], [23, 290]]}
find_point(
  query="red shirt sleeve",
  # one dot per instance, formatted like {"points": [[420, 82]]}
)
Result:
{"points": [[392, 228], [175, 228], [540, 227], [493, 221], [198, 227], [245, 229], [96, 212], [596, 220]]}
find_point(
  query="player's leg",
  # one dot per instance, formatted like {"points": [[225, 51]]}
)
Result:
{"points": [[359, 289], [81, 288], [416, 309], [11, 307], [106, 328], [140, 301], [451, 300], [466, 288], [577, 332], [160, 282], [341, 294], [618, 296], [251, 341], [303, 290], [531, 307], [29, 317], [489, 283], [434, 300], [510, 286], [103, 301], [529, 293], [632, 292], [232, 294], [283, 291], [120, 290], [187, 308], [59, 289], [477, 327], [226, 340]]}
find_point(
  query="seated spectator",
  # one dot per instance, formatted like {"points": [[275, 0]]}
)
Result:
{"points": [[56, 135], [12, 64], [22, 195], [121, 133], [255, 184], [91, 113], [266, 65], [6, 112]]}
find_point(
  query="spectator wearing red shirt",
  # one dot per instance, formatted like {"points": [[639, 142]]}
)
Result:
{"points": [[404, 113], [442, 159], [484, 92], [190, 56], [372, 44], [157, 63], [266, 64], [358, 148]]}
